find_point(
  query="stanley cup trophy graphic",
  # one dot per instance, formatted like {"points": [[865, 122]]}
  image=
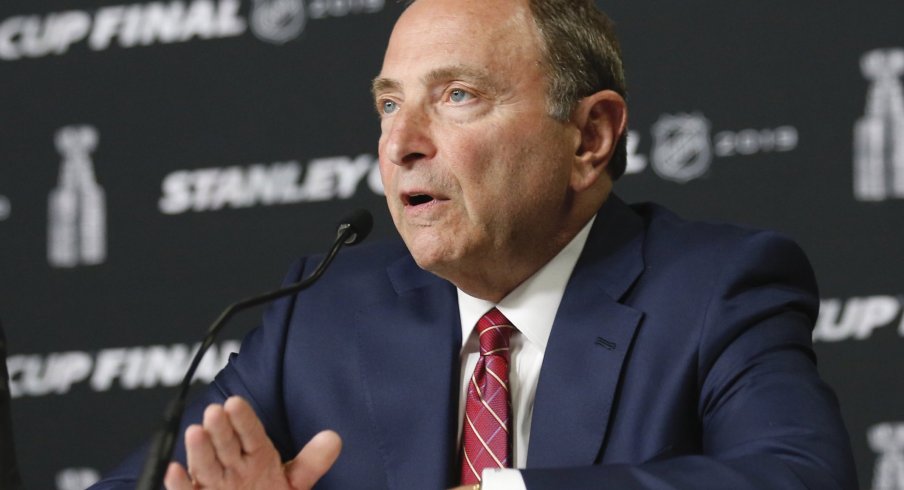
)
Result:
{"points": [[879, 134], [76, 233], [887, 439]]}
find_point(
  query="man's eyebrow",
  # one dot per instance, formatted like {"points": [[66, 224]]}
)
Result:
{"points": [[475, 75], [469, 74], [381, 85]]}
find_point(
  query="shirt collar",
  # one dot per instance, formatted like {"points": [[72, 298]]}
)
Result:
{"points": [[532, 306]]}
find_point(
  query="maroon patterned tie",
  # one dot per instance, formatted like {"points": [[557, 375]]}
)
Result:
{"points": [[486, 440]]}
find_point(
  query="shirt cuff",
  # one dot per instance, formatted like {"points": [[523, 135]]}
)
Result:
{"points": [[501, 479]]}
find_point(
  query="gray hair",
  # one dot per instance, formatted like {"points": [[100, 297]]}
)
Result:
{"points": [[582, 57]]}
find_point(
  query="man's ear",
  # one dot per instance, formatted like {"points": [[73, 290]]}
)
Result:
{"points": [[601, 118]]}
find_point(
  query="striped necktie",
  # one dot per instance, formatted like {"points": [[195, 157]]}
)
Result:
{"points": [[486, 432]]}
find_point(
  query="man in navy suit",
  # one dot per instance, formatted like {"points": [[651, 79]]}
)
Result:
{"points": [[648, 352]]}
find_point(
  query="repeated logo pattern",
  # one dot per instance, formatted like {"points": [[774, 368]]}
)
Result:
{"points": [[277, 21], [681, 147], [76, 233], [879, 134], [887, 439]]}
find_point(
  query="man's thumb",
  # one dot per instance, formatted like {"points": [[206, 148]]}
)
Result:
{"points": [[314, 460]]}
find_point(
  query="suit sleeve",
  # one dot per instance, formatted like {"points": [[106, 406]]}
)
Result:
{"points": [[767, 419], [255, 374]]}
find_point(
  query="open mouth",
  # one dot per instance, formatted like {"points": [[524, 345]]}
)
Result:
{"points": [[418, 199]]}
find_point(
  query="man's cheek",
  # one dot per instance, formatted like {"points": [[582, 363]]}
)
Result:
{"points": [[386, 175]]}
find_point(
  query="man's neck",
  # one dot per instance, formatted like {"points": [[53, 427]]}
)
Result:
{"points": [[493, 280]]}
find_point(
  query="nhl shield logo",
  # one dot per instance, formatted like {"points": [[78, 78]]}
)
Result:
{"points": [[681, 147], [278, 21]]}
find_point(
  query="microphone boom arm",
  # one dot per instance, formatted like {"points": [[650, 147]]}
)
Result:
{"points": [[164, 440]]}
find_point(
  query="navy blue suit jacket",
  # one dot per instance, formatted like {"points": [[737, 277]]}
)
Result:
{"points": [[680, 358]]}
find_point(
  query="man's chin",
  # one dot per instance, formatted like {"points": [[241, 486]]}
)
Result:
{"points": [[429, 261], [432, 256]]}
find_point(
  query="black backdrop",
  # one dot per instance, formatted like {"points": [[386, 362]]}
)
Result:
{"points": [[159, 160]]}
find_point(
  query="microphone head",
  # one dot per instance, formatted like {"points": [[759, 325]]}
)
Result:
{"points": [[359, 222]]}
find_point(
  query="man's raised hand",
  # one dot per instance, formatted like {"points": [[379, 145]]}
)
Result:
{"points": [[231, 450]]}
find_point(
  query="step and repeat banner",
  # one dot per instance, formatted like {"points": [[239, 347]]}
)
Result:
{"points": [[161, 159]]}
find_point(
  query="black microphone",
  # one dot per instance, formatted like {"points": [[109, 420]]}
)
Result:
{"points": [[353, 228], [360, 222]]}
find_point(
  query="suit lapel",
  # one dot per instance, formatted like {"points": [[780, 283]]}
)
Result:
{"points": [[409, 348], [590, 338]]}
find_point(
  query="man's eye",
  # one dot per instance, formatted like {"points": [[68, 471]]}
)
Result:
{"points": [[459, 95], [389, 106]]}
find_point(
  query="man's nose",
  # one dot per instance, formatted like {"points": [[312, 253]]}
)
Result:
{"points": [[408, 137]]}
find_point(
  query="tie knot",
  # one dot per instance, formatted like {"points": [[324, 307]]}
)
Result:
{"points": [[494, 330]]}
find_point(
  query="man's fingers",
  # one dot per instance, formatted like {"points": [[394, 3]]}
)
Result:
{"points": [[222, 435], [231, 449], [177, 478], [202, 458], [247, 426], [314, 460]]}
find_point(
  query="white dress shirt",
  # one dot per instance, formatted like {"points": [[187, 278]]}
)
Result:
{"points": [[531, 307]]}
